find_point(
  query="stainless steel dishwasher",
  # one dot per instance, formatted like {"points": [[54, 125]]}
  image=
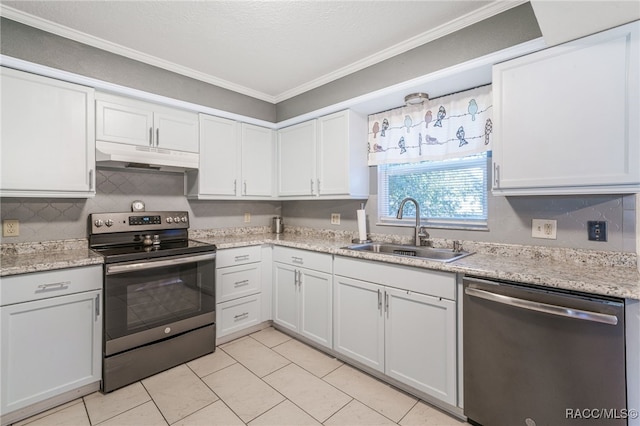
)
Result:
{"points": [[535, 356]]}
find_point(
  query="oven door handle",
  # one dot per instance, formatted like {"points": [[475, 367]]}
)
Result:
{"points": [[141, 266]]}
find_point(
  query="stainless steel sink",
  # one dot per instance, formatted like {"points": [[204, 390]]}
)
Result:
{"points": [[429, 253]]}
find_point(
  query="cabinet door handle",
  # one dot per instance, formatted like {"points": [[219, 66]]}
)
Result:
{"points": [[379, 300], [158, 136], [97, 307], [496, 175], [318, 186], [62, 285], [91, 180], [241, 316], [298, 260], [241, 283], [150, 136], [386, 303], [311, 186], [241, 258], [235, 187], [245, 187]]}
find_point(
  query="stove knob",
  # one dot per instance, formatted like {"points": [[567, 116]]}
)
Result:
{"points": [[169, 219], [108, 222], [176, 219], [184, 219], [98, 223]]}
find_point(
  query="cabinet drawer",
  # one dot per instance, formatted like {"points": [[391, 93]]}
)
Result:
{"points": [[237, 256], [303, 258], [237, 281], [237, 314], [42, 285], [434, 283]]}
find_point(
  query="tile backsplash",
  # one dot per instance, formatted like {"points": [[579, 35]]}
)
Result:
{"points": [[56, 219], [509, 217]]}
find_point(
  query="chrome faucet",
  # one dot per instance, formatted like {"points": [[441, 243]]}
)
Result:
{"points": [[419, 234]]}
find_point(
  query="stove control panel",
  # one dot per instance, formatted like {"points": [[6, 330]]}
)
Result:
{"points": [[104, 223]]}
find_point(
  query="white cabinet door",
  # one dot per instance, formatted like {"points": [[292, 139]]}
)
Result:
{"points": [[47, 144], [49, 347], [258, 158], [420, 342], [176, 130], [134, 122], [315, 320], [219, 157], [566, 118], [297, 160], [123, 123], [333, 154], [358, 321], [285, 296], [342, 155], [236, 160]]}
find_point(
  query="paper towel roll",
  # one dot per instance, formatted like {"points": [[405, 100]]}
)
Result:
{"points": [[362, 225]]}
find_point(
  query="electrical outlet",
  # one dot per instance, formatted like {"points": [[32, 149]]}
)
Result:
{"points": [[597, 230], [10, 228], [544, 228], [335, 218], [247, 217]]}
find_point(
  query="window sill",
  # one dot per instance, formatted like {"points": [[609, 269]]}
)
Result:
{"points": [[411, 223]]}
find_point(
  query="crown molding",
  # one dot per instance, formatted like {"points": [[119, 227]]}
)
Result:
{"points": [[485, 12], [469, 19], [84, 38]]}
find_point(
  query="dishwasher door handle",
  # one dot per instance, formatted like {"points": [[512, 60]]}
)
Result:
{"points": [[543, 307]]}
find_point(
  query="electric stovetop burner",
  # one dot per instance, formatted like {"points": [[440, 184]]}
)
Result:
{"points": [[123, 237]]}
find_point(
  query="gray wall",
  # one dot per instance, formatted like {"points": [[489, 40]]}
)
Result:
{"points": [[56, 219], [507, 29], [37, 46], [509, 219]]}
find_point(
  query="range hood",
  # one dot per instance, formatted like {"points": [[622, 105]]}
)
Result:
{"points": [[136, 157]]}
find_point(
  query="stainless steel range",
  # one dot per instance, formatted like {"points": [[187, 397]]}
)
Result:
{"points": [[159, 294]]}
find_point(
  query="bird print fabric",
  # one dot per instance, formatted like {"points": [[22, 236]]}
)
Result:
{"points": [[450, 126]]}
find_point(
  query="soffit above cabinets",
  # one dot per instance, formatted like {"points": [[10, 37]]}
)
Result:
{"points": [[268, 50]]}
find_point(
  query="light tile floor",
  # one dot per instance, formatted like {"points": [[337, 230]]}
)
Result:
{"points": [[266, 378]]}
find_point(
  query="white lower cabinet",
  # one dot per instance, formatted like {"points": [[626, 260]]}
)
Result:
{"points": [[237, 315], [302, 293], [397, 320], [51, 340], [238, 289]]}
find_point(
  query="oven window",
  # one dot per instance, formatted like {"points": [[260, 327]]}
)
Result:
{"points": [[142, 300]]}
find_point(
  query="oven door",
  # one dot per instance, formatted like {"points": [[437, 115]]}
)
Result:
{"points": [[151, 300]]}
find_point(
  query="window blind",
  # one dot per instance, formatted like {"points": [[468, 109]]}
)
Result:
{"points": [[450, 192]]}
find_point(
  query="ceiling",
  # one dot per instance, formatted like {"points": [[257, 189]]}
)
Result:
{"points": [[271, 50]]}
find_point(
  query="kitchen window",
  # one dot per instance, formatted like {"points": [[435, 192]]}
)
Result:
{"points": [[438, 153], [452, 193]]}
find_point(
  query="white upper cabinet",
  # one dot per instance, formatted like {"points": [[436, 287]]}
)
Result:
{"points": [[236, 160], [133, 122], [567, 118], [258, 160], [48, 146], [297, 160], [326, 157]]}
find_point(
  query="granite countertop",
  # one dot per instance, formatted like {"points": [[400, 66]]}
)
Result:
{"points": [[603, 273], [35, 257]]}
